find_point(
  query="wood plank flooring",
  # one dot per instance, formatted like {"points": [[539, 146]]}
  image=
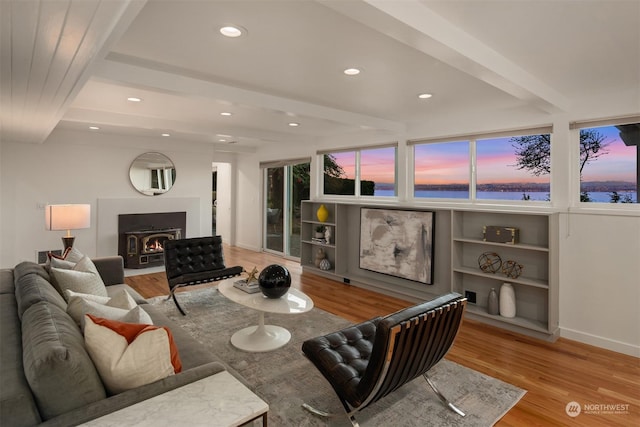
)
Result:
{"points": [[553, 374]]}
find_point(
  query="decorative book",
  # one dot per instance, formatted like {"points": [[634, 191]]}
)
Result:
{"points": [[250, 288]]}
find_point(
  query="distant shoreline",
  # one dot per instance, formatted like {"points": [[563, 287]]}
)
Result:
{"points": [[590, 186]]}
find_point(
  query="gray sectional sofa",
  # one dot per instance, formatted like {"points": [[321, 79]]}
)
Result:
{"points": [[47, 377]]}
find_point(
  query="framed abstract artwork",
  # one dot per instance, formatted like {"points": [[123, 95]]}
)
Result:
{"points": [[398, 243]]}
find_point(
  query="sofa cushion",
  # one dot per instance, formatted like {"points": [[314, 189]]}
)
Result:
{"points": [[32, 286], [60, 373], [130, 355], [121, 307], [83, 278], [16, 401], [6, 281]]}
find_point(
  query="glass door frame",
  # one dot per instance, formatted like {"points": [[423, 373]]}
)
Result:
{"points": [[287, 212]]}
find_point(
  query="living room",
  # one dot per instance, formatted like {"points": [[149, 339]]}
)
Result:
{"points": [[598, 244]]}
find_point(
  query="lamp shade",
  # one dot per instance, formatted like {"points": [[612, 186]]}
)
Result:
{"points": [[67, 217]]}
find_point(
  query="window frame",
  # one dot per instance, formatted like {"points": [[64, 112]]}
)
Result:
{"points": [[473, 163], [358, 172], [597, 207]]}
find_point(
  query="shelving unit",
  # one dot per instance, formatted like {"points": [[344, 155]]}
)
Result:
{"points": [[536, 288], [458, 244], [309, 248]]}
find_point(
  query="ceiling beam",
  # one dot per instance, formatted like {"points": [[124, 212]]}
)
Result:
{"points": [[159, 125], [413, 23], [171, 82]]}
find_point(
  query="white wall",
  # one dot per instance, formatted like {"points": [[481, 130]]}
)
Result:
{"points": [[84, 167], [600, 280], [248, 207]]}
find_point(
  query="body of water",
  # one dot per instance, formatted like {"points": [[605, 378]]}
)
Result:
{"points": [[598, 197]]}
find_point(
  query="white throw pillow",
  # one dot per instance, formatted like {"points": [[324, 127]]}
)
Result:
{"points": [[121, 307], [84, 278], [128, 355], [119, 299]]}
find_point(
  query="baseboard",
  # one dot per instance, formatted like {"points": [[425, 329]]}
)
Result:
{"points": [[609, 344], [250, 248]]}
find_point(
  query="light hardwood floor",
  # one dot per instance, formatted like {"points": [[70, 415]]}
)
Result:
{"points": [[553, 374]]}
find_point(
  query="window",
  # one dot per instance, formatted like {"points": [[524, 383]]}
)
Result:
{"points": [[497, 166], [378, 172], [340, 173], [609, 163], [442, 170], [371, 171], [514, 168]]}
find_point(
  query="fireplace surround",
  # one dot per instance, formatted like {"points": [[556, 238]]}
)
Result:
{"points": [[141, 236]]}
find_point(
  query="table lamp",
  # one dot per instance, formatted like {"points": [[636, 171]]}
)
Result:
{"points": [[67, 217]]}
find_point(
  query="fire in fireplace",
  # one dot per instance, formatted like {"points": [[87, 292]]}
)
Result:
{"points": [[145, 246], [141, 237]]}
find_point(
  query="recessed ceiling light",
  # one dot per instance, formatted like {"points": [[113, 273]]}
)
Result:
{"points": [[352, 71], [226, 114], [94, 128], [294, 124], [166, 134], [134, 99], [222, 140], [425, 95], [232, 31]]}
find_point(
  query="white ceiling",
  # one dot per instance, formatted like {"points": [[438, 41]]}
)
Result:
{"points": [[72, 64]]}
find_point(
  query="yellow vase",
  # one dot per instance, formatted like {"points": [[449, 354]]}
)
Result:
{"points": [[322, 213]]}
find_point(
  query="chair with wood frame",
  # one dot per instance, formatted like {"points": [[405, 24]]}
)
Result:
{"points": [[195, 261], [365, 362]]}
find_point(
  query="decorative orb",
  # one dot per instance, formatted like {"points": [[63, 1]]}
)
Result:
{"points": [[512, 269], [489, 262], [325, 264], [274, 281]]}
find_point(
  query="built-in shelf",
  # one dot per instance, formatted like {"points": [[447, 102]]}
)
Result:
{"points": [[502, 245], [501, 278], [536, 288], [324, 245], [459, 244], [522, 322]]}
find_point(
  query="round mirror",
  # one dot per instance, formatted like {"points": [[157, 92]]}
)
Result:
{"points": [[152, 174]]}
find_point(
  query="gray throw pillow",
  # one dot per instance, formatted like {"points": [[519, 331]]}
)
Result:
{"points": [[83, 278]]}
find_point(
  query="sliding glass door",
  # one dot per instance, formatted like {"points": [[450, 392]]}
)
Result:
{"points": [[285, 188]]}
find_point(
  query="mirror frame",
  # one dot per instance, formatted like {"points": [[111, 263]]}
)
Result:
{"points": [[152, 174]]}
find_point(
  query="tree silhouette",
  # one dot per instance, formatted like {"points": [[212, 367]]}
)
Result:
{"points": [[533, 152], [331, 167]]}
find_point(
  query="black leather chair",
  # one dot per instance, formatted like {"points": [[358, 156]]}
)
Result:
{"points": [[194, 261], [365, 362]]}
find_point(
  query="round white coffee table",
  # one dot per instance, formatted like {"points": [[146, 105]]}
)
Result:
{"points": [[264, 337]]}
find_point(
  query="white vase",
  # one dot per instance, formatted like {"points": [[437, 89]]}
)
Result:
{"points": [[507, 300]]}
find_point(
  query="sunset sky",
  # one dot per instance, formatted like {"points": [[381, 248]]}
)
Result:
{"points": [[448, 163]]}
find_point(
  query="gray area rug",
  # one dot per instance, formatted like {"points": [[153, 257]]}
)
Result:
{"points": [[284, 378]]}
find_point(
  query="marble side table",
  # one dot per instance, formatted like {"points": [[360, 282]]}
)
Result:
{"points": [[216, 401]]}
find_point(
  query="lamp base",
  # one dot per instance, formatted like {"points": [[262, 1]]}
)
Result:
{"points": [[67, 242]]}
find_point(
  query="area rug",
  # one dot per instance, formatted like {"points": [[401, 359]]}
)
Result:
{"points": [[285, 379]]}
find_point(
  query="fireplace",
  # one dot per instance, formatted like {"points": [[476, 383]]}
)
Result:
{"points": [[142, 236]]}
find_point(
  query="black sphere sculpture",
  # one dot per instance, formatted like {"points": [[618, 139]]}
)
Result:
{"points": [[274, 281]]}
